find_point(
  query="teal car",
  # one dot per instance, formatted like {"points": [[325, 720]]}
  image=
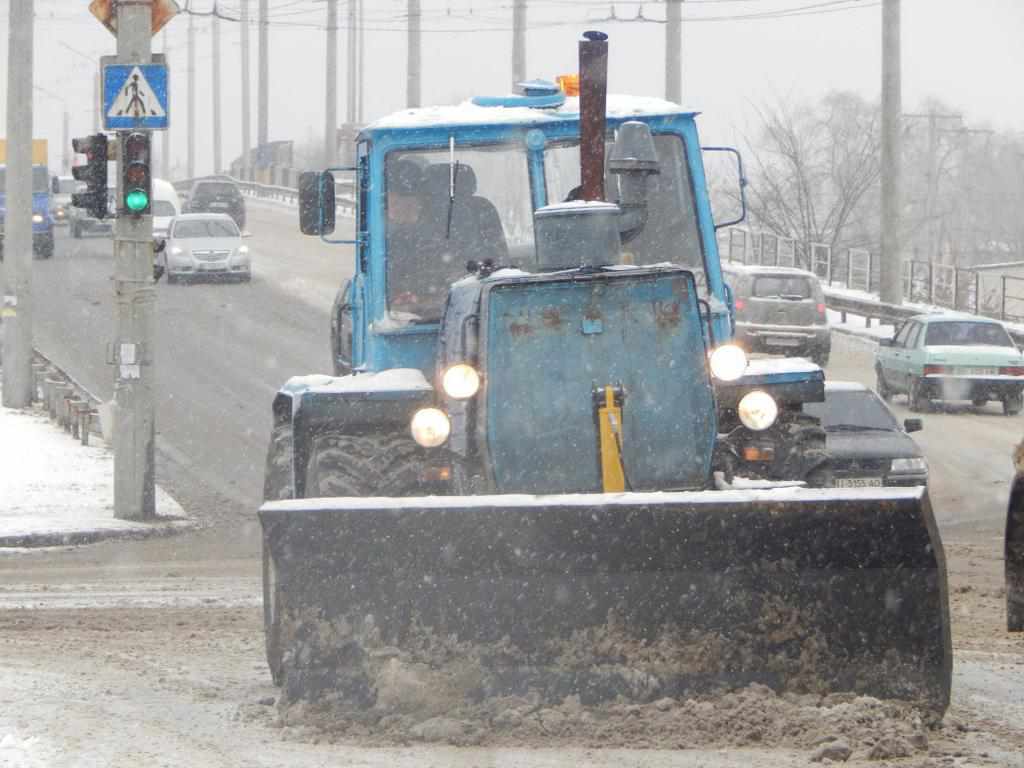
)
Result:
{"points": [[951, 356]]}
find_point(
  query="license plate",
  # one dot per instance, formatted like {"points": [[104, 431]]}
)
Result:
{"points": [[213, 267], [974, 371], [858, 482], [782, 341]]}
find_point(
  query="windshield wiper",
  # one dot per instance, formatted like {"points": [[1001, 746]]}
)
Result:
{"points": [[856, 428]]}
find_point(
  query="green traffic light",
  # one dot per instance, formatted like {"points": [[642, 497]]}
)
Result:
{"points": [[136, 200]]}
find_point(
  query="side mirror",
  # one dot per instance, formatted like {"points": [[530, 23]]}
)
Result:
{"points": [[55, 185], [317, 206], [159, 244], [741, 192], [913, 425]]}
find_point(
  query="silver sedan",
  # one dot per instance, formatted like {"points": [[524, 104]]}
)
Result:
{"points": [[205, 245]]}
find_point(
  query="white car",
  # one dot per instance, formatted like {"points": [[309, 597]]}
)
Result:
{"points": [[205, 244]]}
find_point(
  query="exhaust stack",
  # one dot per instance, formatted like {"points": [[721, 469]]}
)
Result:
{"points": [[593, 100]]}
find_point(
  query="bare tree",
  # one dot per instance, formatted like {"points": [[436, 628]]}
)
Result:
{"points": [[814, 167]]}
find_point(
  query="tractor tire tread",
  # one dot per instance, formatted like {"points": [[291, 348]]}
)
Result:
{"points": [[364, 465], [277, 477]]}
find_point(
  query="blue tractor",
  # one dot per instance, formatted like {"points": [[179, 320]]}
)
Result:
{"points": [[533, 463]]}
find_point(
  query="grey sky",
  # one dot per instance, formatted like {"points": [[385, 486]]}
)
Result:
{"points": [[966, 54]]}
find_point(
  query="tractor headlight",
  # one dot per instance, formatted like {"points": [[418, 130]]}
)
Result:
{"points": [[461, 381], [909, 466], [758, 410], [176, 251], [430, 427], [37, 218], [728, 362]]}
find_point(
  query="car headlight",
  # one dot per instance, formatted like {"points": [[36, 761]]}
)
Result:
{"points": [[906, 466], [37, 218], [461, 381], [728, 362], [243, 250], [430, 427], [758, 410], [176, 251]]}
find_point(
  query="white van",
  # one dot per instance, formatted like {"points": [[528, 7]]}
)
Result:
{"points": [[165, 206]]}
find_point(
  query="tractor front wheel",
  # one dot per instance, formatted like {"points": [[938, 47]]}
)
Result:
{"points": [[364, 465], [277, 484]]}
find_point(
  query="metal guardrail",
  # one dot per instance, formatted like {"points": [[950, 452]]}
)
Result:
{"points": [[343, 191], [69, 403]]}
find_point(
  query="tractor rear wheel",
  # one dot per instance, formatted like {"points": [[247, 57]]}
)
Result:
{"points": [[277, 484], [364, 465]]}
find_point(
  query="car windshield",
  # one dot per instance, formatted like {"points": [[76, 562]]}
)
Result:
{"points": [[966, 334], [204, 228], [782, 287], [852, 409], [217, 189], [163, 208]]}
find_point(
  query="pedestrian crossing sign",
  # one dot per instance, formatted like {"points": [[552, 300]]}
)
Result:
{"points": [[135, 97]]}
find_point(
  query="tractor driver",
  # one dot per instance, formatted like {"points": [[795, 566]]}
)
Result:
{"points": [[411, 241]]}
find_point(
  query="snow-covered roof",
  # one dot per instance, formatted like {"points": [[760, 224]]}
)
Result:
{"points": [[752, 269], [394, 380], [469, 113], [768, 366]]}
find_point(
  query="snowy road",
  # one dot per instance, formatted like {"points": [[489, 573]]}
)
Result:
{"points": [[150, 652]]}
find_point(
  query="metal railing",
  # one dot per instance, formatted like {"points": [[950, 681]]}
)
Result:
{"points": [[344, 191]]}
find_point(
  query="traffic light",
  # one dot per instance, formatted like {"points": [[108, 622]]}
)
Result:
{"points": [[93, 173], [135, 175]]}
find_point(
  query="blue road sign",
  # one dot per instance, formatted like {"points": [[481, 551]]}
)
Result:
{"points": [[135, 96]]}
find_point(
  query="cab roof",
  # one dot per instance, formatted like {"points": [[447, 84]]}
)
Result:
{"points": [[947, 315], [468, 113], [765, 269]]}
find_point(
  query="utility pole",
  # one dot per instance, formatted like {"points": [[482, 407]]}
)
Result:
{"points": [[246, 105], [96, 102], [518, 41], [331, 107], [263, 96], [215, 45], [165, 136], [17, 296], [673, 51], [359, 67], [190, 171], [135, 339], [412, 81], [65, 143], [352, 46], [891, 261]]}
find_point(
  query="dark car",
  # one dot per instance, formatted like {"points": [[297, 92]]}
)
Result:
{"points": [[217, 196], [867, 444], [779, 310]]}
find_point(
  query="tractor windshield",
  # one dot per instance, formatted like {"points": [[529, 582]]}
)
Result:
{"points": [[442, 214], [671, 233]]}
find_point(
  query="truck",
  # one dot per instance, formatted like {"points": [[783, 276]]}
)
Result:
{"points": [[42, 218], [542, 467]]}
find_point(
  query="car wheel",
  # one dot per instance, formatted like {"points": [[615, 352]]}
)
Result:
{"points": [[76, 232], [915, 398], [1012, 404], [979, 402], [881, 387], [245, 278]]}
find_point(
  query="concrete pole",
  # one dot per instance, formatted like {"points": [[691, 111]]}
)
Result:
{"points": [[413, 60], [165, 136], [360, 90], [262, 124], [891, 261], [96, 102], [352, 50], [518, 41], [190, 170], [65, 143], [673, 51], [246, 79], [218, 166], [17, 296], [135, 340], [331, 106]]}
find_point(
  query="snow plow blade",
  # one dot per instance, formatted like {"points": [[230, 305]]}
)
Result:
{"points": [[634, 595], [1014, 557]]}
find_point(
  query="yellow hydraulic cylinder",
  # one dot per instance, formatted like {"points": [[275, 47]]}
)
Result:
{"points": [[609, 420]]}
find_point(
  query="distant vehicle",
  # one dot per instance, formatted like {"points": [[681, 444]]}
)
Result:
{"points": [[42, 221], [217, 196], [205, 245], [779, 310], [60, 200], [951, 356], [867, 444], [165, 206], [82, 223]]}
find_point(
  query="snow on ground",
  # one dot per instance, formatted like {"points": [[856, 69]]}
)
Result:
{"points": [[53, 490]]}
